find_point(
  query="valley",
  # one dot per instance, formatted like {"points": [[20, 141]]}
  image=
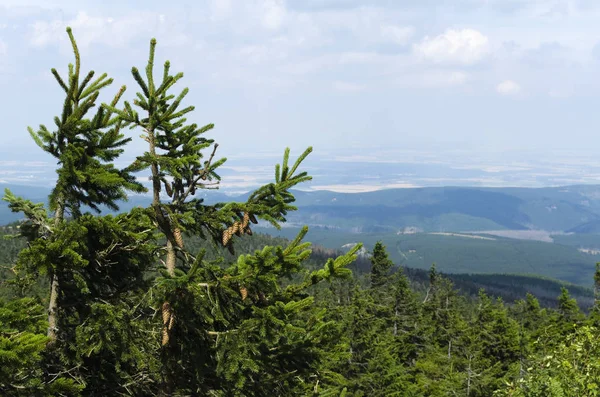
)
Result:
{"points": [[548, 232]]}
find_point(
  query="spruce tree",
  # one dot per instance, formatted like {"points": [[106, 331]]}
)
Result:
{"points": [[22, 342], [381, 265], [594, 318], [222, 324], [84, 147]]}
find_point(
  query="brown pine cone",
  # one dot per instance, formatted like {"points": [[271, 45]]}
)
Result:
{"points": [[168, 188], [178, 238], [165, 336], [171, 322], [166, 312], [227, 236], [238, 229]]}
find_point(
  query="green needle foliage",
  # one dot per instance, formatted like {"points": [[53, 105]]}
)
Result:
{"points": [[207, 311], [84, 146]]}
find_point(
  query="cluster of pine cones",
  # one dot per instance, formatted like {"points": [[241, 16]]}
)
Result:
{"points": [[238, 228]]}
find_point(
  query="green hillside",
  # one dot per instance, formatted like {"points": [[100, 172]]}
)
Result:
{"points": [[453, 208], [570, 208], [578, 240], [458, 254], [509, 287]]}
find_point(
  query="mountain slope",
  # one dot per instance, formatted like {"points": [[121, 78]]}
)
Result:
{"points": [[427, 209]]}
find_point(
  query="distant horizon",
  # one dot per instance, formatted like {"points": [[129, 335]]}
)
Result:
{"points": [[234, 193]]}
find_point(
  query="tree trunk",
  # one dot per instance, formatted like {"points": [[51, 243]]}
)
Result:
{"points": [[52, 309], [54, 287], [469, 376], [167, 384]]}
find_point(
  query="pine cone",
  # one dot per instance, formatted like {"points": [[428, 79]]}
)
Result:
{"points": [[166, 312], [178, 238], [168, 188], [245, 220], [227, 236], [165, 336], [244, 293], [253, 219], [249, 231], [238, 229], [171, 322], [230, 248]]}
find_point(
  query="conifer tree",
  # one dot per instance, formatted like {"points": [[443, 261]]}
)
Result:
{"points": [[381, 265], [216, 318], [23, 339], [83, 146], [405, 318], [595, 312]]}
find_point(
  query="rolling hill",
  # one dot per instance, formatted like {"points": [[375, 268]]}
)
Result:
{"points": [[462, 230], [565, 209], [462, 253]]}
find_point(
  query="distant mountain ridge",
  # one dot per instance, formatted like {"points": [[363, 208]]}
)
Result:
{"points": [[452, 209], [431, 209], [462, 230]]}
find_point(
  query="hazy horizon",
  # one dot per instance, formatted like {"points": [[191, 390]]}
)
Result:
{"points": [[445, 94], [359, 170]]}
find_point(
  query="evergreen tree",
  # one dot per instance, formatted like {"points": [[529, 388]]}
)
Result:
{"points": [[217, 317], [532, 320], [595, 312], [571, 369], [381, 265], [83, 146], [22, 342], [406, 313]]}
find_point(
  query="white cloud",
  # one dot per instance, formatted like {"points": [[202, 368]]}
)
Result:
{"points": [[346, 86], [508, 87], [361, 188], [434, 78], [396, 34], [114, 32], [220, 9], [3, 47], [274, 14], [465, 46]]}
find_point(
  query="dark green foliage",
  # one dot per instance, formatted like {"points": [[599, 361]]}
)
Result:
{"points": [[381, 265], [22, 343], [85, 145], [463, 253]]}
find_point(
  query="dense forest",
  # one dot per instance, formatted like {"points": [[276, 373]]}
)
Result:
{"points": [[183, 299]]}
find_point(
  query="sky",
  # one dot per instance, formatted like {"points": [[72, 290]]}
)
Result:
{"points": [[501, 79]]}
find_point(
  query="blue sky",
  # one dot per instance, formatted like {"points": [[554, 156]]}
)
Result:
{"points": [[345, 76]]}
